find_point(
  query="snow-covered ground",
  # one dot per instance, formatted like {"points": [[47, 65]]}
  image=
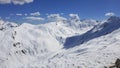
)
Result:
{"points": [[60, 44]]}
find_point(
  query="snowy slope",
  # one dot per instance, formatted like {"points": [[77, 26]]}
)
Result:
{"points": [[26, 44], [60, 44], [103, 29], [98, 52]]}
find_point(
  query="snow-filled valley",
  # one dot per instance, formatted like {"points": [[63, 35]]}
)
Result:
{"points": [[60, 44]]}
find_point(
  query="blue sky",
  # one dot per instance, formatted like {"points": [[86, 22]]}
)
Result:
{"points": [[86, 9]]}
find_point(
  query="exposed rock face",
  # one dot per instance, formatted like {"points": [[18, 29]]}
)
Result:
{"points": [[116, 64]]}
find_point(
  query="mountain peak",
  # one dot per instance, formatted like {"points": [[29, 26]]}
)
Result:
{"points": [[114, 18], [112, 24], [6, 24]]}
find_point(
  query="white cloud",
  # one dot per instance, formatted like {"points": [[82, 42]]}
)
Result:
{"points": [[34, 18], [20, 2], [5, 1], [19, 14], [56, 17], [25, 14], [35, 14], [110, 14]]}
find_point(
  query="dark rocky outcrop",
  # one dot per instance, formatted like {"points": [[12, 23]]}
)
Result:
{"points": [[116, 64]]}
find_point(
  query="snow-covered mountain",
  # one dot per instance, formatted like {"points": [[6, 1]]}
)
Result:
{"points": [[60, 44], [105, 28], [6, 25]]}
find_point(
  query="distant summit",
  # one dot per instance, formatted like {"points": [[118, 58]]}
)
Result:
{"points": [[113, 23]]}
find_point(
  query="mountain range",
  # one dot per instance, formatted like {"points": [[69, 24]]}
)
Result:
{"points": [[72, 43]]}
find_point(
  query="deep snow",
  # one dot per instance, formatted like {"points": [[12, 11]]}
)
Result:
{"points": [[60, 44]]}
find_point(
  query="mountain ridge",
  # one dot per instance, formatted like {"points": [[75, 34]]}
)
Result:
{"points": [[43, 46], [112, 24]]}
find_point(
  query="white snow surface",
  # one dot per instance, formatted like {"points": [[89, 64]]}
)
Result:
{"points": [[43, 45]]}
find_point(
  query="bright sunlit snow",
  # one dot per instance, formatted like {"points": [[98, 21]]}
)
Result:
{"points": [[59, 33], [59, 44]]}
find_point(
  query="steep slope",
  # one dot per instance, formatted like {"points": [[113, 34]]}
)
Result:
{"points": [[26, 45], [113, 23], [46, 46], [98, 52]]}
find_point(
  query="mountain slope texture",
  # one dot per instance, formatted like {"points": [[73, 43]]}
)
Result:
{"points": [[60, 44]]}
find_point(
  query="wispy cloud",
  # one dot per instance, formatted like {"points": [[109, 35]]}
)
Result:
{"points": [[7, 17], [11, 14], [34, 18], [25, 14], [19, 14], [110, 14], [20, 2], [35, 14]]}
